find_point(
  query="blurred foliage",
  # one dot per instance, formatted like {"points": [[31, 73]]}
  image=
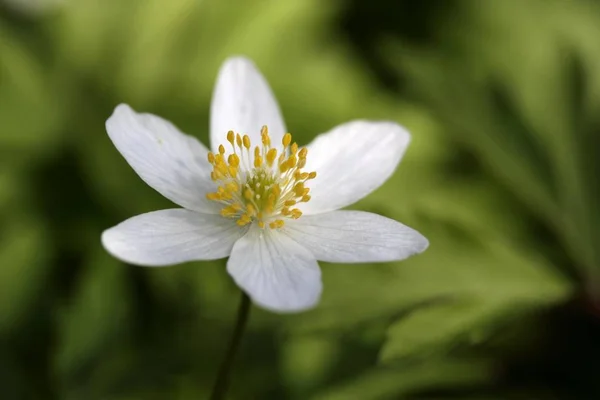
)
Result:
{"points": [[502, 99]]}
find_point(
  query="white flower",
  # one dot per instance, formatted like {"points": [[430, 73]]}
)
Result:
{"points": [[258, 198]]}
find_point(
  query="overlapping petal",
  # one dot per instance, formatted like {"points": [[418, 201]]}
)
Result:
{"points": [[243, 102], [172, 163], [351, 161], [276, 272], [355, 236], [168, 237]]}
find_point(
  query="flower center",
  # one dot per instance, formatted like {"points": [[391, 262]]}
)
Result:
{"points": [[261, 185]]}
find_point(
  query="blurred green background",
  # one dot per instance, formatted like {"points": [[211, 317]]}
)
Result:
{"points": [[503, 101]]}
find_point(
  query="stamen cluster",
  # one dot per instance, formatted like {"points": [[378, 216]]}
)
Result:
{"points": [[260, 185]]}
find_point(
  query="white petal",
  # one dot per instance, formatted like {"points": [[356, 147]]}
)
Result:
{"points": [[170, 237], [173, 163], [243, 102], [351, 161], [276, 272], [355, 236]]}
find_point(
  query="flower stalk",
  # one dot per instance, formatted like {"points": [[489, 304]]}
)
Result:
{"points": [[222, 382]]}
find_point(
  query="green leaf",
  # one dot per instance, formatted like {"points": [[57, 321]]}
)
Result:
{"points": [[438, 327], [95, 319], [25, 92], [24, 256], [390, 382]]}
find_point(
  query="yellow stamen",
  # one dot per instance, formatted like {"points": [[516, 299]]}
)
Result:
{"points": [[299, 189], [213, 196], [259, 184], [271, 156], [292, 160], [264, 133], [287, 139], [296, 213], [278, 223]]}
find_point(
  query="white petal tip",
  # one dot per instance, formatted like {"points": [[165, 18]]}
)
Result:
{"points": [[113, 244], [121, 111], [237, 61], [421, 244], [110, 243], [290, 308]]}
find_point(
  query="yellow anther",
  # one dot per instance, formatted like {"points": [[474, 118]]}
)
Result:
{"points": [[233, 160], [244, 220], [211, 158], [271, 156], [246, 140], [250, 210], [291, 161], [287, 139], [238, 140], [305, 198], [269, 207], [301, 163], [230, 137], [278, 223], [229, 211], [299, 189], [216, 175], [248, 194], [289, 203], [258, 161], [232, 187], [296, 213], [294, 148], [221, 168], [285, 211], [305, 192], [276, 190], [256, 151], [221, 149], [283, 167], [264, 133], [261, 224], [213, 196], [312, 175], [303, 152], [233, 171]]}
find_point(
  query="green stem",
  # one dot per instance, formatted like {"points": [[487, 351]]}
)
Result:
{"points": [[222, 382]]}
